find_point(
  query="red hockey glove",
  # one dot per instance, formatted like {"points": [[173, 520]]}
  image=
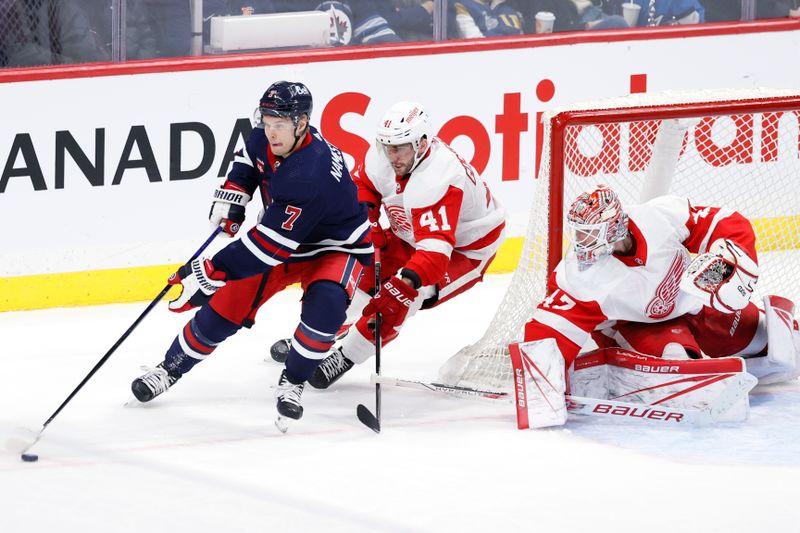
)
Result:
{"points": [[378, 235], [393, 303], [227, 210], [199, 281]]}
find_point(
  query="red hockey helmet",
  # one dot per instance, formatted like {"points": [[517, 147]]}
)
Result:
{"points": [[596, 221]]}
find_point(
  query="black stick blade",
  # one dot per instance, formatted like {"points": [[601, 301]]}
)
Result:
{"points": [[368, 419]]}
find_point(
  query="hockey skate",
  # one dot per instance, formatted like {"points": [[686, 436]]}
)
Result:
{"points": [[289, 407], [330, 370], [280, 350], [154, 382]]}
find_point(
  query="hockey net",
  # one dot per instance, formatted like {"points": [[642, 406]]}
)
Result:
{"points": [[736, 149]]}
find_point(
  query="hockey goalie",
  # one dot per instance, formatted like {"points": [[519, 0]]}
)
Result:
{"points": [[669, 330]]}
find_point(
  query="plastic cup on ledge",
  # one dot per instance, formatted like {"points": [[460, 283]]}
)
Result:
{"points": [[544, 22], [630, 12]]}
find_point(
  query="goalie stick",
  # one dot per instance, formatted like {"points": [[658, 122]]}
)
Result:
{"points": [[607, 409]]}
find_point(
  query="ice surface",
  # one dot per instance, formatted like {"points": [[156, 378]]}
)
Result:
{"points": [[206, 457]]}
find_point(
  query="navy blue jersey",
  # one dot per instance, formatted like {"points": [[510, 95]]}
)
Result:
{"points": [[311, 207]]}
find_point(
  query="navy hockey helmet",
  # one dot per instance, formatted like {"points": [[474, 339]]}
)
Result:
{"points": [[287, 99]]}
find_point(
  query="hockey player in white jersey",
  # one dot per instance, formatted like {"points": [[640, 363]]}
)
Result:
{"points": [[445, 228], [629, 281]]}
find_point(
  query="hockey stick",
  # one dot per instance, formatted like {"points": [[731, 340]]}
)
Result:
{"points": [[366, 417], [116, 345], [608, 409], [463, 392]]}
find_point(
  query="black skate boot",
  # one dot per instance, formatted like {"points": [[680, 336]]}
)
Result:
{"points": [[289, 396], [330, 370], [153, 383], [280, 350]]}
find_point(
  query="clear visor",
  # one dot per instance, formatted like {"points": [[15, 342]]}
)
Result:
{"points": [[259, 116], [402, 150]]}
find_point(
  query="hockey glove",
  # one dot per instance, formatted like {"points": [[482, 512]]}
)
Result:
{"points": [[393, 302], [378, 235], [228, 207], [724, 277], [199, 281]]}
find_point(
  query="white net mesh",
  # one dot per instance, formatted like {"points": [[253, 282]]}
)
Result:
{"points": [[736, 149]]}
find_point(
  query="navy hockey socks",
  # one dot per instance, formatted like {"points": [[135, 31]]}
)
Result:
{"points": [[324, 311], [199, 337]]}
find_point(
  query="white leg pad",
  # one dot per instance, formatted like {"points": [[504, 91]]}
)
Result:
{"points": [[539, 384], [782, 361], [625, 375]]}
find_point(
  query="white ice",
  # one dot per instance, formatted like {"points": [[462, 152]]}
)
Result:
{"points": [[205, 457]]}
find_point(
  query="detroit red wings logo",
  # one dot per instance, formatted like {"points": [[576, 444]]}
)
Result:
{"points": [[398, 219], [663, 303]]}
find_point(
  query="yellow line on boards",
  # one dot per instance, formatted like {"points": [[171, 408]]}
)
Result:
{"points": [[137, 284], [91, 287]]}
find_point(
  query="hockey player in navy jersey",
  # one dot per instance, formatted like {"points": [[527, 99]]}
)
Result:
{"points": [[313, 231]]}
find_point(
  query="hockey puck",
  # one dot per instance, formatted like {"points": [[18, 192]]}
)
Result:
{"points": [[30, 457]]}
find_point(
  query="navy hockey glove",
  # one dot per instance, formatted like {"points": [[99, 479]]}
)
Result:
{"points": [[227, 210], [393, 303], [199, 281]]}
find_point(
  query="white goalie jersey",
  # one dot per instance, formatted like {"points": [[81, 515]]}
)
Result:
{"points": [[643, 287]]}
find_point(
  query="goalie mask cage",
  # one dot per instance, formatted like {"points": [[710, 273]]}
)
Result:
{"points": [[734, 149]]}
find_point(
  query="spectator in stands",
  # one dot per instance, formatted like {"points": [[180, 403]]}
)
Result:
{"points": [[770, 9], [44, 32], [411, 19], [379, 22], [571, 15], [170, 21], [592, 17], [722, 10], [139, 37], [670, 12], [484, 18]]}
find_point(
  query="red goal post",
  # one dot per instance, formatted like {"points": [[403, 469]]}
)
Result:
{"points": [[738, 149]]}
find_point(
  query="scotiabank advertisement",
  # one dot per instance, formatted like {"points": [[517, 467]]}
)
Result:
{"points": [[116, 171]]}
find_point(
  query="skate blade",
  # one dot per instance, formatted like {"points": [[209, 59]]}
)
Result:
{"points": [[132, 402], [282, 423]]}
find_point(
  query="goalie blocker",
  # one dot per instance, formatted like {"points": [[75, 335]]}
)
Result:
{"points": [[655, 387]]}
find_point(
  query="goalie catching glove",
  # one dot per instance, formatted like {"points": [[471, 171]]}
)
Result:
{"points": [[228, 208], [393, 303], [724, 277], [199, 281]]}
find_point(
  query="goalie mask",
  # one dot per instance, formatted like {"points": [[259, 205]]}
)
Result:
{"points": [[596, 221], [404, 123]]}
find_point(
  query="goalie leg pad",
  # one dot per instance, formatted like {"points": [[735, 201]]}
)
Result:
{"points": [[539, 384], [618, 374], [782, 361]]}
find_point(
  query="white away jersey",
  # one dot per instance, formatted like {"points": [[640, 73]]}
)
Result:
{"points": [[443, 206]]}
